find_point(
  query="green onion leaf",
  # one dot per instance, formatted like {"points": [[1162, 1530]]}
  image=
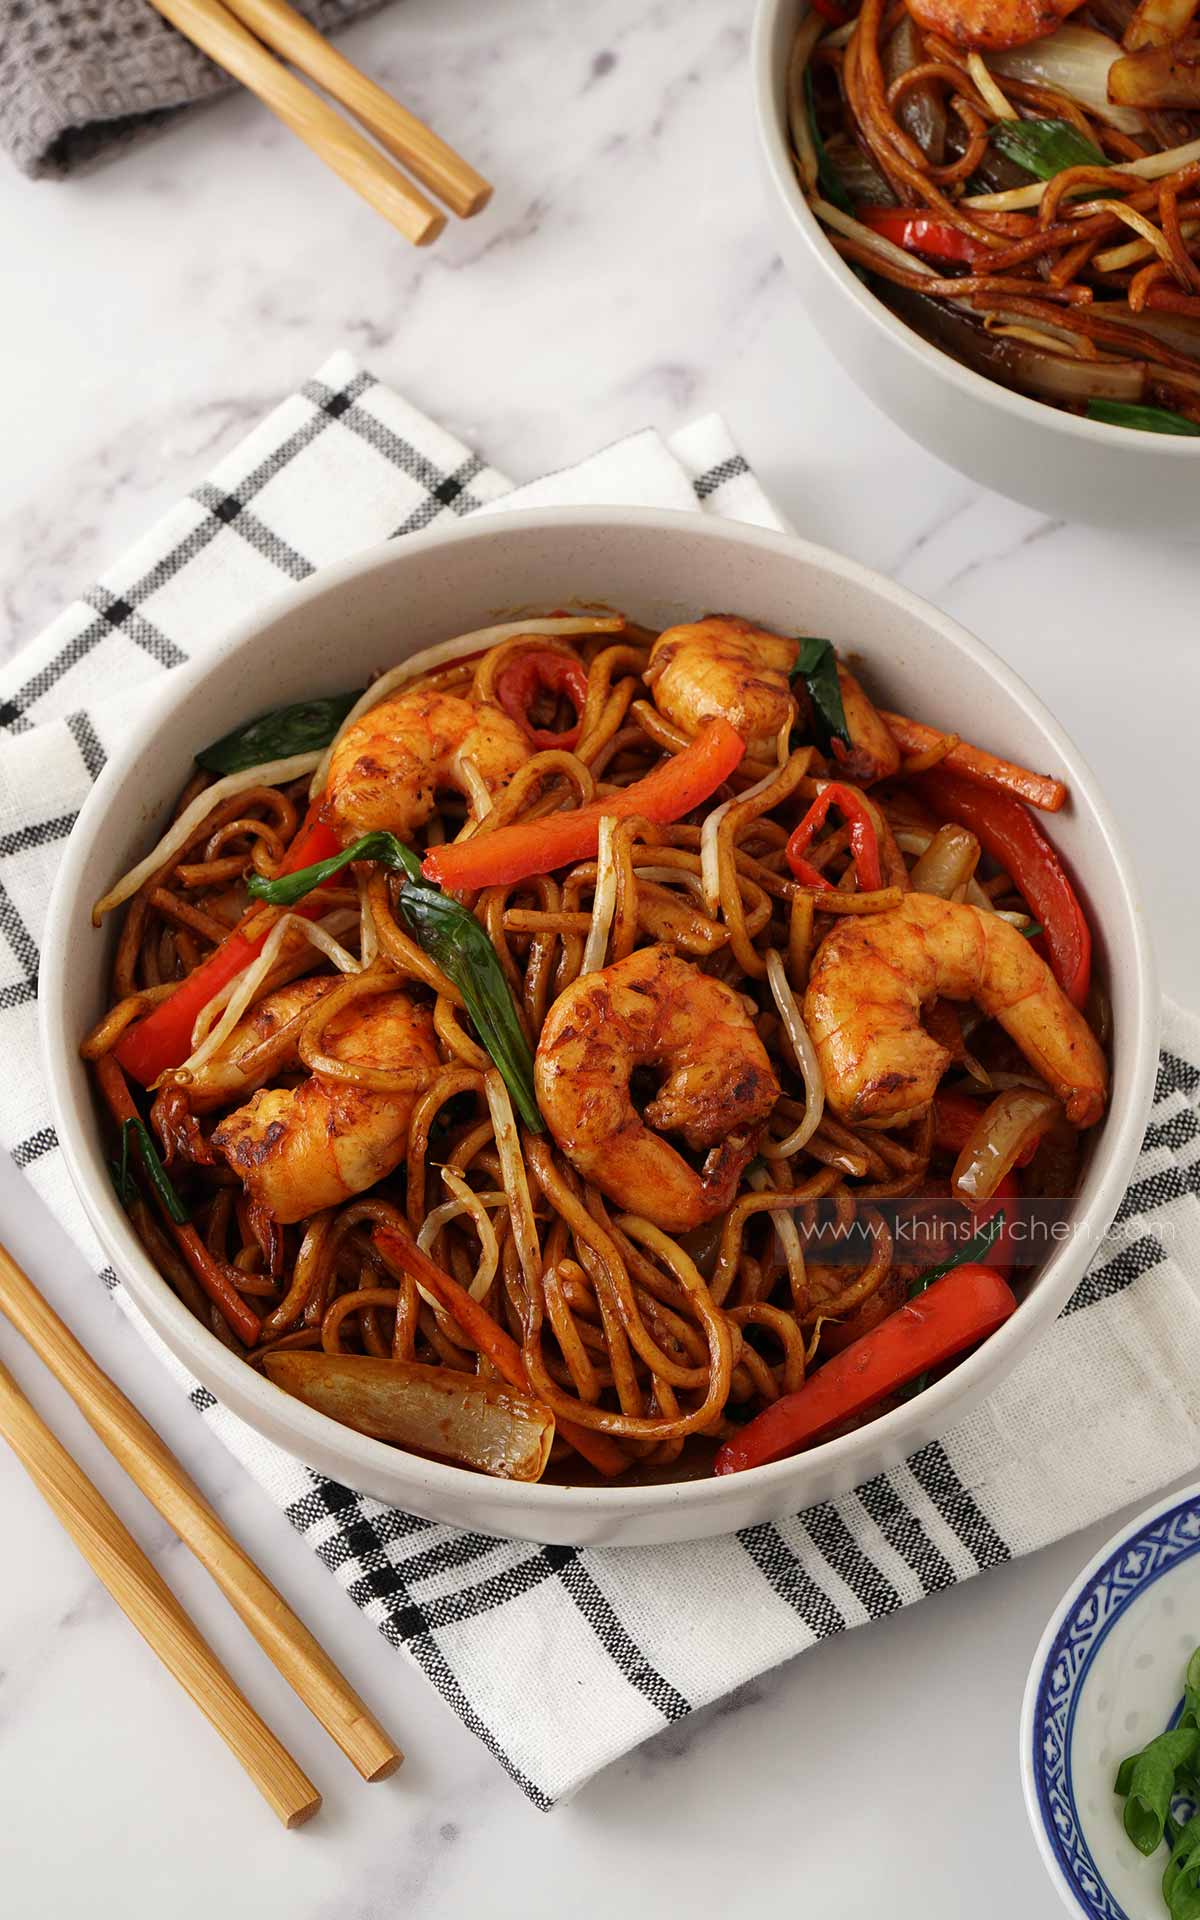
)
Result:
{"points": [[304, 728], [1045, 147], [1148, 1780], [1116, 413], [1032, 931], [830, 179], [290, 887], [816, 665], [975, 1249], [454, 941], [1181, 1877], [156, 1173]]}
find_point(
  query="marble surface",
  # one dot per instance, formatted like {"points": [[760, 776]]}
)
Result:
{"points": [[623, 275]]}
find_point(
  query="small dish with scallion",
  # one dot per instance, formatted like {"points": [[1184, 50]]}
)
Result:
{"points": [[1110, 1733]]}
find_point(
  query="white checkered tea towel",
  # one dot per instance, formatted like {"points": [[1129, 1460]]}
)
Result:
{"points": [[560, 1660]]}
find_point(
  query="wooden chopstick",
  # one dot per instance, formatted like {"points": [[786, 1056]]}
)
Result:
{"points": [[423, 152], [147, 1600], [212, 27], [152, 1466]]}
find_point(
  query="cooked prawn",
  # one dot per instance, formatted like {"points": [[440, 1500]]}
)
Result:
{"points": [[655, 1010], [873, 753], [992, 24], [388, 768], [304, 1148], [872, 976], [724, 666], [244, 1061]]}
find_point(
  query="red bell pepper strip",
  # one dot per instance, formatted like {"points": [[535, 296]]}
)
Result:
{"points": [[975, 763], [1007, 830], [864, 842], [919, 233], [550, 672], [829, 10], [666, 793], [956, 1312], [162, 1038], [491, 1339], [210, 1272]]}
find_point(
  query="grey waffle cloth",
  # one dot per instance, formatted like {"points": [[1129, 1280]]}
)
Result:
{"points": [[80, 79]]}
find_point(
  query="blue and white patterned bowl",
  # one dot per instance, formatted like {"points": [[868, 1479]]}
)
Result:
{"points": [[1107, 1677]]}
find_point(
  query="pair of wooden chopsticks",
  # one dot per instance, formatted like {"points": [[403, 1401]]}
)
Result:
{"points": [[237, 35], [140, 1590]]}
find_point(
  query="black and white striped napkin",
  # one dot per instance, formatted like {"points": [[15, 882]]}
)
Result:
{"points": [[560, 1660]]}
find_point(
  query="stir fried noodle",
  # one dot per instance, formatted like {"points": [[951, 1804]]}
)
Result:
{"points": [[1022, 189], [556, 1057]]}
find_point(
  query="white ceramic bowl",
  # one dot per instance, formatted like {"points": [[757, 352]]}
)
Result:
{"points": [[660, 568], [1106, 1679], [1072, 468]]}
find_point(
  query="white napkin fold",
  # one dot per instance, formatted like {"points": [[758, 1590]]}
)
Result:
{"points": [[562, 1660]]}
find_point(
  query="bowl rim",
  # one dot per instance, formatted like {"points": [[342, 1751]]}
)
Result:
{"points": [[1021, 407], [1183, 1497], [315, 1431]]}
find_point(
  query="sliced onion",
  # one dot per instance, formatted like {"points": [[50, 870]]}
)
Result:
{"points": [[1073, 60], [947, 863], [1014, 1120], [437, 656], [604, 900], [272, 773], [805, 1055], [471, 1422], [922, 111]]}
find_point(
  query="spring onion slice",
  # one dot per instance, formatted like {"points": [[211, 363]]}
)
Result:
{"points": [[1046, 147], [1153, 166], [1149, 419], [156, 1173], [974, 1250], [271, 773], [463, 644], [306, 727], [828, 176]]}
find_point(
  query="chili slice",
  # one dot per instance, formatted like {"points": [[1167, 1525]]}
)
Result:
{"points": [[864, 842], [543, 672]]}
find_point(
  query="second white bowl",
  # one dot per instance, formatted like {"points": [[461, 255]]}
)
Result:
{"points": [[1072, 468]]}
